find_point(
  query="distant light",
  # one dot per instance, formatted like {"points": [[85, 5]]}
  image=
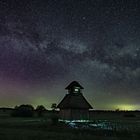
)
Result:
{"points": [[126, 107]]}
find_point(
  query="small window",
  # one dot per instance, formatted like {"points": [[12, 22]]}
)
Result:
{"points": [[76, 89]]}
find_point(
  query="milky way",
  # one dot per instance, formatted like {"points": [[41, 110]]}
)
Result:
{"points": [[44, 45]]}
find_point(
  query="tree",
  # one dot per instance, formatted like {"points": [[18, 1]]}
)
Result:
{"points": [[54, 116], [40, 109], [54, 106], [23, 111], [117, 110]]}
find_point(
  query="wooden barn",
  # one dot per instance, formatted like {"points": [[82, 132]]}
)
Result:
{"points": [[74, 106]]}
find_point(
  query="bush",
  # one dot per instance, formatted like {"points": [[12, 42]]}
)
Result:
{"points": [[23, 111]]}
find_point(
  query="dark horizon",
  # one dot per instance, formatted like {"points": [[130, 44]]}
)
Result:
{"points": [[90, 110]]}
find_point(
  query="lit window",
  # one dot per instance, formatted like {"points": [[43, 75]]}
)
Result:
{"points": [[76, 89]]}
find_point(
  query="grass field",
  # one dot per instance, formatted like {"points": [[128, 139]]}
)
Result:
{"points": [[42, 129]]}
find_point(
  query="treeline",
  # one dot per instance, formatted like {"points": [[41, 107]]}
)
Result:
{"points": [[27, 110]]}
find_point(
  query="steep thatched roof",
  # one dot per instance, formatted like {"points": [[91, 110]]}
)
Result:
{"points": [[74, 84], [74, 101]]}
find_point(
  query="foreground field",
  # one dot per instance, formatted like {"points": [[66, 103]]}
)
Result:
{"points": [[42, 129]]}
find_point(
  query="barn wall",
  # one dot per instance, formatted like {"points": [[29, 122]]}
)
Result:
{"points": [[74, 114], [79, 114], [65, 114]]}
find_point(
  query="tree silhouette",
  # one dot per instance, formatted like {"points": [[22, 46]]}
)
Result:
{"points": [[53, 106], [54, 116], [23, 111], [40, 109]]}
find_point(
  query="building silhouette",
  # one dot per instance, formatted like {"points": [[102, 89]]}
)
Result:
{"points": [[74, 106]]}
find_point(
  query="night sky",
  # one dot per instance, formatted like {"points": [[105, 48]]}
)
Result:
{"points": [[44, 45]]}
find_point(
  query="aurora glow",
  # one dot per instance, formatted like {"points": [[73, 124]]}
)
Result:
{"points": [[44, 45]]}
